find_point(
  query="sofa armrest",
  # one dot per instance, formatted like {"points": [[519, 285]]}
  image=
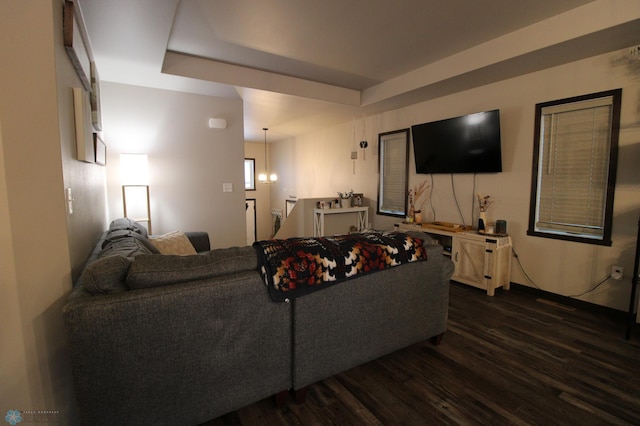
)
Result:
{"points": [[199, 240]]}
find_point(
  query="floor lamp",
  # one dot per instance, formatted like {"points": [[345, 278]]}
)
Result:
{"points": [[135, 188]]}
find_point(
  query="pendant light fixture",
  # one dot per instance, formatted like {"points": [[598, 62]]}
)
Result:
{"points": [[265, 177]]}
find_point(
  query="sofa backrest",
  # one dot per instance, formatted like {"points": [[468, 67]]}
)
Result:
{"points": [[106, 270]]}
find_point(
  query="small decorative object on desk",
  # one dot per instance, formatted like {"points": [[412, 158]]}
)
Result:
{"points": [[414, 199], [418, 217], [343, 197], [356, 200], [501, 227], [482, 220], [483, 204]]}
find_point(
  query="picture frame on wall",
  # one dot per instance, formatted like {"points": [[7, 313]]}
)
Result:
{"points": [[82, 118], [75, 43], [96, 114], [100, 149]]}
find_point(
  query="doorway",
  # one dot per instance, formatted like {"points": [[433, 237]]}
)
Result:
{"points": [[250, 212]]}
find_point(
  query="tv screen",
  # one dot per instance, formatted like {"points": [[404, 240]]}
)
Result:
{"points": [[467, 144]]}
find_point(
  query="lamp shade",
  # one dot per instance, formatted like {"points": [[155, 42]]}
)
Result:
{"points": [[134, 169]]}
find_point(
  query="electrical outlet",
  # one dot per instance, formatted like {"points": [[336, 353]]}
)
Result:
{"points": [[616, 272]]}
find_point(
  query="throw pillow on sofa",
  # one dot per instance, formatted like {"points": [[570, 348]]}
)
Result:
{"points": [[154, 271], [175, 242], [106, 275], [126, 243], [124, 223]]}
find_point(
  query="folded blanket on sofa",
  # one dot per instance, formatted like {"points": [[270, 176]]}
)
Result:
{"points": [[298, 266]]}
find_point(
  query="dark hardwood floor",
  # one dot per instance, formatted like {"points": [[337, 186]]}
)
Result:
{"points": [[508, 359]]}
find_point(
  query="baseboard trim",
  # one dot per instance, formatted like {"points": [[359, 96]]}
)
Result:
{"points": [[570, 301]]}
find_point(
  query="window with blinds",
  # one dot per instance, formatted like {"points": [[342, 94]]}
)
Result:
{"points": [[574, 168], [393, 150]]}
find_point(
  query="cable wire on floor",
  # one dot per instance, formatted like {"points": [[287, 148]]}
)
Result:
{"points": [[594, 287], [522, 269], [539, 288]]}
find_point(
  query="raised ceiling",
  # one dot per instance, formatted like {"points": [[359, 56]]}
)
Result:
{"points": [[299, 65]]}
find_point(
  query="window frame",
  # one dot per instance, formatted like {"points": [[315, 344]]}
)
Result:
{"points": [[614, 130], [252, 174], [382, 139]]}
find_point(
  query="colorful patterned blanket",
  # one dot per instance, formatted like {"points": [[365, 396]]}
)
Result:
{"points": [[298, 266]]}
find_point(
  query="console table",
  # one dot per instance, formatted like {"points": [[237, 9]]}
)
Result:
{"points": [[362, 218], [481, 260]]}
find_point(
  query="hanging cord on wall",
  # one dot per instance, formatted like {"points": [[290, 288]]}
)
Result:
{"points": [[473, 199], [538, 287], [363, 141], [453, 186], [354, 153], [433, 210]]}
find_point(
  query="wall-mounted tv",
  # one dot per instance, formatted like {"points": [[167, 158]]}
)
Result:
{"points": [[467, 144]]}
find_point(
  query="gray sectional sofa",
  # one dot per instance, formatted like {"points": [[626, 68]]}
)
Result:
{"points": [[164, 339]]}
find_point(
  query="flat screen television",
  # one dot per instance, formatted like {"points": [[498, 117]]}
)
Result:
{"points": [[467, 144]]}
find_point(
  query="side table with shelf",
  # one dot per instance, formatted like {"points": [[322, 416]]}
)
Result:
{"points": [[480, 260], [362, 218]]}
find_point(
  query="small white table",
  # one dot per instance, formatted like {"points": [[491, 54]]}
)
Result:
{"points": [[362, 218]]}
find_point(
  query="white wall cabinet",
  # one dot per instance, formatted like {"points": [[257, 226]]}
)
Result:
{"points": [[482, 261]]}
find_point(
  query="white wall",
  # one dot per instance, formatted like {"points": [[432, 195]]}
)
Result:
{"points": [[40, 246], [86, 181], [319, 164], [188, 161], [262, 193]]}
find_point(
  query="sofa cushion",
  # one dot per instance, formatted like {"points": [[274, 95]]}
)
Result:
{"points": [[106, 275], [124, 223], [199, 240], [175, 242], [159, 270], [126, 243]]}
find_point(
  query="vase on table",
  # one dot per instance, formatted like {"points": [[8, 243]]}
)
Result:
{"points": [[482, 221], [418, 217]]}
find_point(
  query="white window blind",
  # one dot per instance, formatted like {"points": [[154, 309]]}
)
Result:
{"points": [[575, 142], [393, 173]]}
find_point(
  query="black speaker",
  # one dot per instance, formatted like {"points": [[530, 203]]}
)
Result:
{"points": [[501, 226]]}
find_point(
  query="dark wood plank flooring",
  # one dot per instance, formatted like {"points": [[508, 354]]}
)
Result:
{"points": [[509, 359]]}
